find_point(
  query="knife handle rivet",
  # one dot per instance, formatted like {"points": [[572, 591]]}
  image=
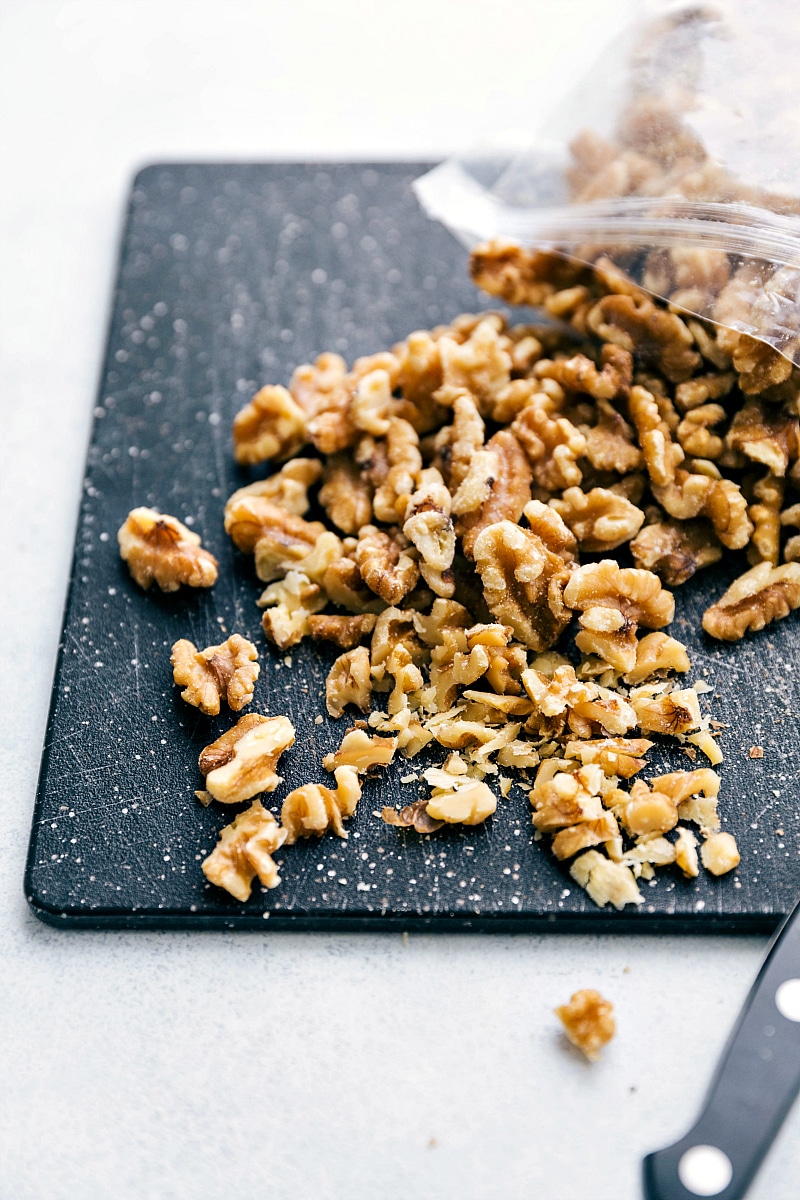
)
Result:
{"points": [[705, 1170], [787, 999]]}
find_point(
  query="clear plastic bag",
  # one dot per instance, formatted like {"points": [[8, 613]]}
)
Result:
{"points": [[677, 159]]}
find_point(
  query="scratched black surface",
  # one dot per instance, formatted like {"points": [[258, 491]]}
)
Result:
{"points": [[229, 276]]}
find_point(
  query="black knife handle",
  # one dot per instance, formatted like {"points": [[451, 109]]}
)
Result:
{"points": [[757, 1079]]}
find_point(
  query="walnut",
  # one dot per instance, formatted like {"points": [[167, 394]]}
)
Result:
{"points": [[271, 426], [758, 365], [570, 841], [349, 682], [466, 802], [313, 810], [499, 492], [523, 583], [719, 853], [763, 594], [550, 528], [616, 756], [606, 882], [361, 751], [522, 276], [396, 627], [289, 603], [372, 403], [404, 465], [685, 846], [662, 456], [607, 633], [429, 527], [458, 443], [656, 338], [563, 798], [346, 632], [696, 392], [587, 1021], [345, 494], [637, 594], [384, 565], [694, 431], [676, 550], [250, 515], [241, 763], [694, 792], [765, 515], [599, 519], [646, 811], [453, 667], [344, 586], [580, 374], [552, 443], [318, 386], [686, 497], [791, 517], [244, 851], [672, 712], [160, 549], [657, 652], [480, 365], [287, 488], [227, 671], [413, 816], [610, 444], [766, 434]]}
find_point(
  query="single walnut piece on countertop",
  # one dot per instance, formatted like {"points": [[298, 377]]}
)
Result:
{"points": [[362, 751], [763, 594], [227, 671], [271, 426], [719, 853], [242, 762], [160, 549], [587, 1021], [312, 810], [244, 851]]}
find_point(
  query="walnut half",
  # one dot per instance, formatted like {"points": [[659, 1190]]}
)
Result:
{"points": [[242, 762], [160, 549], [244, 850], [228, 671]]}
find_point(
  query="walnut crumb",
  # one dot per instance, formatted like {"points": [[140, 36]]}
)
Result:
{"points": [[587, 1021], [756, 751]]}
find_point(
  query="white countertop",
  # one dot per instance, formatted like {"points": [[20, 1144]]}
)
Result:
{"points": [[177, 1065]]}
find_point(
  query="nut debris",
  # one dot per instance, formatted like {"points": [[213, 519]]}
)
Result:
{"points": [[587, 1021]]}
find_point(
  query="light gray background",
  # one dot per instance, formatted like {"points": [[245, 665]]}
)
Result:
{"points": [[173, 1065]]}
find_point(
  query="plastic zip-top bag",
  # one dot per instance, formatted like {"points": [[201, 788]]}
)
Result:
{"points": [[675, 164]]}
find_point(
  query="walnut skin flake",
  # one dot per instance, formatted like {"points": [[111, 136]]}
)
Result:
{"points": [[241, 763], [313, 810], [244, 851], [227, 671], [587, 1021], [412, 816], [160, 549]]}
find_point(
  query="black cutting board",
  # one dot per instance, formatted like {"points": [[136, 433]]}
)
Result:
{"points": [[229, 276]]}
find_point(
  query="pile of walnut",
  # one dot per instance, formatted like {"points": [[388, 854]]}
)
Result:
{"points": [[464, 475]]}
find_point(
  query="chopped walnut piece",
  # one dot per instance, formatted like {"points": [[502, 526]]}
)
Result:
{"points": [[551, 442], [271, 426], [468, 803], [252, 517], [686, 852], [227, 671], [344, 586], [696, 392], [244, 851], [616, 756], [763, 594], [550, 528], [647, 811], [570, 841], [694, 792], [562, 798], [160, 549], [758, 365], [719, 853], [601, 520], [345, 494], [313, 810], [520, 276], [606, 882], [413, 816], [674, 550], [765, 434], [385, 567], [662, 456], [637, 594], [523, 583], [580, 374], [289, 603], [587, 1021], [361, 751], [673, 712], [404, 463], [756, 752], [694, 431], [610, 444], [496, 488], [657, 652], [349, 682], [480, 364], [586, 707], [458, 443], [287, 488], [241, 763], [346, 632], [429, 527]]}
